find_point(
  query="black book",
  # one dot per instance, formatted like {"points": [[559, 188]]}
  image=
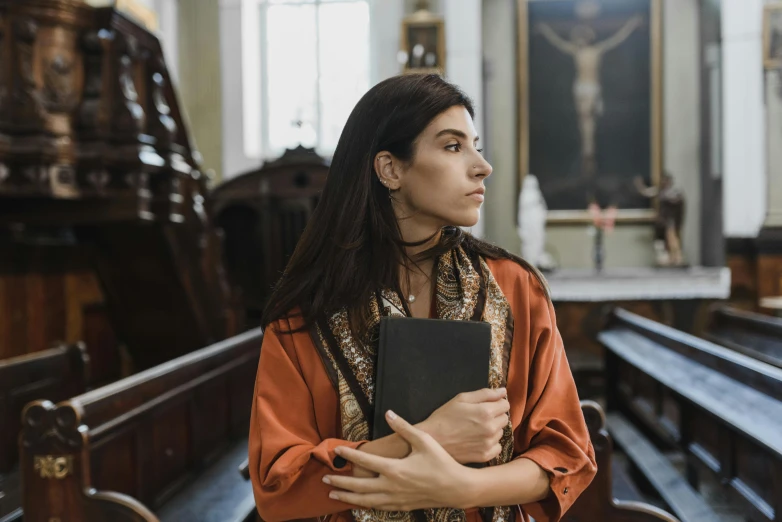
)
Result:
{"points": [[424, 363]]}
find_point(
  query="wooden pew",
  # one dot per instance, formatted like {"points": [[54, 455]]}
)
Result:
{"points": [[55, 374], [597, 502], [722, 409], [758, 336], [160, 445]]}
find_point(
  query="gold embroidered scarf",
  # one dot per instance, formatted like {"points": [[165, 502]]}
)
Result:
{"points": [[465, 290]]}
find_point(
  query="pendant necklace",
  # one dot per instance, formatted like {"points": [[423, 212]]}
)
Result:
{"points": [[411, 297]]}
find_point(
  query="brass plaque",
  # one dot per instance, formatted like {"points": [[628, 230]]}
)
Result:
{"points": [[50, 466]]}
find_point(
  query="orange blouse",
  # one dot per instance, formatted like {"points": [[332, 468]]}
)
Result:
{"points": [[295, 422]]}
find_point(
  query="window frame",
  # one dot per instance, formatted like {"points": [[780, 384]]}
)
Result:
{"points": [[255, 92]]}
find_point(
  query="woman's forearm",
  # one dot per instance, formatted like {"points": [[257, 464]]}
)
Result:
{"points": [[518, 482]]}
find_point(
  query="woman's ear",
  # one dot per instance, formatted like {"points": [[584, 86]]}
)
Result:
{"points": [[386, 170]]}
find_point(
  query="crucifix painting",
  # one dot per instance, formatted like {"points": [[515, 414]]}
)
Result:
{"points": [[588, 125]]}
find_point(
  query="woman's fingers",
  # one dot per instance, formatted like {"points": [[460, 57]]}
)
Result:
{"points": [[499, 407], [372, 500], [500, 422], [355, 484], [379, 465], [417, 439], [484, 395]]}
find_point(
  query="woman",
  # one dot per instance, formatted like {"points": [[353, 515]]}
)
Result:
{"points": [[384, 240]]}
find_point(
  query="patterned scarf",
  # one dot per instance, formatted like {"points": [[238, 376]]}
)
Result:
{"points": [[465, 290]]}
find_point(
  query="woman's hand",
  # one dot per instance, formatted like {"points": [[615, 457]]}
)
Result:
{"points": [[427, 478], [469, 427]]}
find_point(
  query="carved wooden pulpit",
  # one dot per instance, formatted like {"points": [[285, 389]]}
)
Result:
{"points": [[92, 141]]}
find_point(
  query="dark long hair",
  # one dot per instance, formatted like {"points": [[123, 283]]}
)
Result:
{"points": [[352, 245]]}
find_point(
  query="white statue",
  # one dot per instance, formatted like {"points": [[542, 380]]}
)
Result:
{"points": [[532, 224]]}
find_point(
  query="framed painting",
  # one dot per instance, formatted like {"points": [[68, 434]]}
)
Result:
{"points": [[423, 42], [590, 104], [772, 36]]}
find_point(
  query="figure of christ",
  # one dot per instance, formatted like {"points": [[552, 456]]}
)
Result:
{"points": [[587, 91]]}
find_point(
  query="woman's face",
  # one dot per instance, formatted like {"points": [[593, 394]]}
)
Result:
{"points": [[443, 185]]}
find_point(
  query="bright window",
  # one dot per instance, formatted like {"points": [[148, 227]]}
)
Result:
{"points": [[305, 65]]}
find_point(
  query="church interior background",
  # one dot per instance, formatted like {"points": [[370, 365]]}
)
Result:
{"points": [[159, 159]]}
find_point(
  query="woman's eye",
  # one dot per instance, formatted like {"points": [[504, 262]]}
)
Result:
{"points": [[454, 148], [480, 151]]}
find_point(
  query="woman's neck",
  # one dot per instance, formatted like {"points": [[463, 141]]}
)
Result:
{"points": [[415, 277]]}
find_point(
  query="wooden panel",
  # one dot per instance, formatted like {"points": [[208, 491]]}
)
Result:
{"points": [[35, 317], [102, 345], [171, 447], [5, 319], [242, 391], [707, 434], [744, 281], [82, 289], [755, 469], [209, 417], [55, 309], [769, 276], [113, 461], [16, 320], [43, 292], [670, 415]]}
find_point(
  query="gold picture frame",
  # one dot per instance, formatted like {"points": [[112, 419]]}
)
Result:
{"points": [[772, 36], [426, 29], [579, 215]]}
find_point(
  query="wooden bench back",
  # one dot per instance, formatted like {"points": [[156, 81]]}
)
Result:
{"points": [[722, 409], [737, 366], [120, 451], [755, 335], [54, 374]]}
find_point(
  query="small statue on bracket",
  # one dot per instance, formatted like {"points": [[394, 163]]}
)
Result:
{"points": [[668, 224], [532, 224]]}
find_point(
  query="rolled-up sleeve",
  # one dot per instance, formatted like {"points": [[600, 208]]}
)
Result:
{"points": [[288, 457], [552, 432]]}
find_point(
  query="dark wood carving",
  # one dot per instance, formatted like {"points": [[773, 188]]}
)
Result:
{"points": [[26, 106], [122, 451], [728, 406], [95, 144], [263, 213]]}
